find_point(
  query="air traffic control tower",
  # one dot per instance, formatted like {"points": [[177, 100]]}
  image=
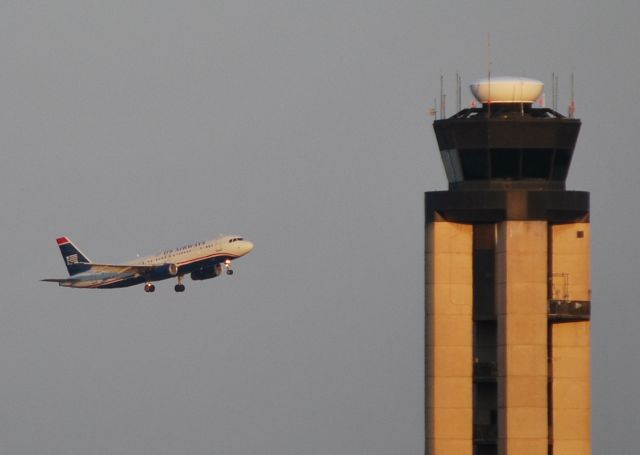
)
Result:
{"points": [[507, 291]]}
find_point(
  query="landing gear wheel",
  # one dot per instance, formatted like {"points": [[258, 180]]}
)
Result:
{"points": [[227, 266], [149, 287], [179, 287]]}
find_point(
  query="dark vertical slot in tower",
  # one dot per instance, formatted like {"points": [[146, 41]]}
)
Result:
{"points": [[484, 246], [550, 340], [485, 368]]}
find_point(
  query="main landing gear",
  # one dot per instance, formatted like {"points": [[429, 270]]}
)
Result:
{"points": [[179, 287]]}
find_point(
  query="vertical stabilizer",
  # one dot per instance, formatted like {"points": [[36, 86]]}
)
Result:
{"points": [[74, 259]]}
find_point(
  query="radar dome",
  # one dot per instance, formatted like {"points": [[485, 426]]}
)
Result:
{"points": [[507, 90]]}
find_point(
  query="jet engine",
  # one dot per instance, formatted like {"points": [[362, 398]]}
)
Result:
{"points": [[169, 269], [161, 271], [205, 273]]}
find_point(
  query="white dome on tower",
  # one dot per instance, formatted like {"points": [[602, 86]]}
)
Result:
{"points": [[507, 90]]}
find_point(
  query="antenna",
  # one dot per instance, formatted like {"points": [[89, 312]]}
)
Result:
{"points": [[554, 84], [521, 102], [572, 103], [442, 97], [489, 70], [458, 92], [553, 91], [433, 111]]}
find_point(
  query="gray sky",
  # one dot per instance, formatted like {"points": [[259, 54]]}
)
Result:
{"points": [[135, 126]]}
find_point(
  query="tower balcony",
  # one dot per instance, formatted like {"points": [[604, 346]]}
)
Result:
{"points": [[569, 310]]}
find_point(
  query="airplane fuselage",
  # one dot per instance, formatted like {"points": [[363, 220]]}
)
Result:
{"points": [[203, 260]]}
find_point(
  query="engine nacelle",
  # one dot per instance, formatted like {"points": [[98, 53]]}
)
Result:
{"points": [[206, 273], [170, 269], [161, 271]]}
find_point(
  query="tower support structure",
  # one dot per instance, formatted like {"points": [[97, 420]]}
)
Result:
{"points": [[507, 287]]}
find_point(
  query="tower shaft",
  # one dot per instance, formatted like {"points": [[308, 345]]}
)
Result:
{"points": [[507, 338]]}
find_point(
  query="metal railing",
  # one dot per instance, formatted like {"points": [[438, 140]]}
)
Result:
{"points": [[569, 310]]}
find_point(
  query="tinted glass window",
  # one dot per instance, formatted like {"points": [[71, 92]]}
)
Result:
{"points": [[561, 164], [536, 163], [505, 163], [475, 164]]}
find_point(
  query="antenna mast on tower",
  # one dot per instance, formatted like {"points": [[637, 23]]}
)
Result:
{"points": [[442, 97], [458, 92], [489, 71], [572, 102]]}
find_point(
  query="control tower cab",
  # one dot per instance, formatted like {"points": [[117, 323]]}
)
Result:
{"points": [[507, 143]]}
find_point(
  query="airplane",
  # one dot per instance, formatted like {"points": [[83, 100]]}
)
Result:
{"points": [[203, 260]]}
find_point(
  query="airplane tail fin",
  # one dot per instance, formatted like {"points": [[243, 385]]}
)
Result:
{"points": [[74, 259]]}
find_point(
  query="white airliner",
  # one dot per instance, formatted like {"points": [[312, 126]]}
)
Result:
{"points": [[203, 260]]}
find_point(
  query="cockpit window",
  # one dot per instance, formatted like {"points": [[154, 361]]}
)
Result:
{"points": [[235, 239]]}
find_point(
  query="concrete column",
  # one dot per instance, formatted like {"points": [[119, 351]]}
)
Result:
{"points": [[571, 389], [570, 273], [448, 339], [521, 298], [571, 359]]}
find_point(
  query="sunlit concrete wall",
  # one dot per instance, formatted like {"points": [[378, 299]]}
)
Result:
{"points": [[571, 359], [448, 340], [521, 298]]}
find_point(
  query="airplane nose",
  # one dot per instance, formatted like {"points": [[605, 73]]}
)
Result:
{"points": [[248, 246]]}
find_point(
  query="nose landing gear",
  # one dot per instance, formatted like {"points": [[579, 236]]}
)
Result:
{"points": [[149, 287], [179, 287], [227, 266]]}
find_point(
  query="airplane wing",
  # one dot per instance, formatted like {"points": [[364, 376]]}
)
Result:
{"points": [[120, 271], [81, 278], [116, 268], [133, 270]]}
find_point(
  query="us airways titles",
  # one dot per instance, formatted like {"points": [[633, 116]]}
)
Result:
{"points": [[182, 249]]}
